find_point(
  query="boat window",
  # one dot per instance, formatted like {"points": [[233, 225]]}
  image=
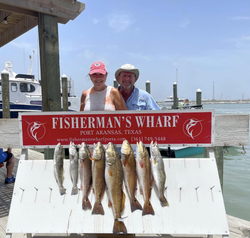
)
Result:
{"points": [[13, 87], [26, 87], [36, 102]]}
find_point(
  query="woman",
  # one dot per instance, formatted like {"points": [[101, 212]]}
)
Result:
{"points": [[101, 97]]}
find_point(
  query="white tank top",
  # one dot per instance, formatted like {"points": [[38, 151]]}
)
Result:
{"points": [[99, 100]]}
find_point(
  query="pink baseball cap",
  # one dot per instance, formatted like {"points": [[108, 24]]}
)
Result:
{"points": [[98, 67]]}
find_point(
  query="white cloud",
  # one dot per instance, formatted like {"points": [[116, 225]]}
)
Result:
{"points": [[139, 56], [184, 23], [246, 37], [240, 18], [96, 21], [119, 22]]}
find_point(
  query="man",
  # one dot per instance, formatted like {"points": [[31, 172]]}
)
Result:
{"points": [[135, 98], [8, 157]]}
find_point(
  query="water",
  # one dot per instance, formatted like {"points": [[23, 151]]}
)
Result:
{"points": [[236, 179]]}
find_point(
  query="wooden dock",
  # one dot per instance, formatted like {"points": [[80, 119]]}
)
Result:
{"points": [[238, 227]]}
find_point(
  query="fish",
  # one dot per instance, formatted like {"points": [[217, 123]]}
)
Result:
{"points": [[58, 168], [98, 171], [143, 170], [73, 157], [85, 174], [129, 171], [158, 171], [114, 183]]}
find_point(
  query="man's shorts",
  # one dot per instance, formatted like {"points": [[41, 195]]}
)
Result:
{"points": [[9, 156]]}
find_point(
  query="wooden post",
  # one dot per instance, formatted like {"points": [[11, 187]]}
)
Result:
{"points": [[148, 86], [176, 103], [50, 73], [218, 152], [198, 98], [115, 83], [5, 94], [65, 92]]}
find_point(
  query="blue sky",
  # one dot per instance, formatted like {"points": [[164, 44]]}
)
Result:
{"points": [[207, 41]]}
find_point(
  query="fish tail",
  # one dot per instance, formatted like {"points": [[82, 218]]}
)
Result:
{"points": [[74, 190], [86, 204], [164, 202], [119, 227], [135, 205], [98, 208], [62, 190], [148, 209]]}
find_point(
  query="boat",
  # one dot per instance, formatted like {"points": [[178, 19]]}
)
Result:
{"points": [[25, 93], [180, 152], [169, 101]]}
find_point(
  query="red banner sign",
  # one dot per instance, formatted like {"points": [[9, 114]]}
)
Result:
{"points": [[169, 128]]}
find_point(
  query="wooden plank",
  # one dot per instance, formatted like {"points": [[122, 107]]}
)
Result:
{"points": [[12, 9], [18, 29], [231, 130], [61, 8], [15, 9]]}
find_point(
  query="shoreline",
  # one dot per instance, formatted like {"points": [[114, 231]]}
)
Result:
{"points": [[215, 102]]}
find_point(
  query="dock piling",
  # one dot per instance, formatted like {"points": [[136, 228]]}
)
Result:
{"points": [[65, 92], [5, 94], [148, 86]]}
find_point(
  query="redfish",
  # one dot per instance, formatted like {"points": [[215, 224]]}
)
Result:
{"points": [[114, 182], [85, 175], [58, 168], [158, 172], [73, 157], [129, 171], [98, 170], [144, 177]]}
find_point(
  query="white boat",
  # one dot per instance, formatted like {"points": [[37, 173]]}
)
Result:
{"points": [[169, 101], [26, 93]]}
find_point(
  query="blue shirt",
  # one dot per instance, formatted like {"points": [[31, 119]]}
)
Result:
{"points": [[3, 156], [141, 100]]}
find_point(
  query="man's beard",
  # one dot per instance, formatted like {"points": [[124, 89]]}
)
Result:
{"points": [[128, 87]]}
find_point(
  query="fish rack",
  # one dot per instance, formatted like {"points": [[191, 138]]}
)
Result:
{"points": [[192, 189]]}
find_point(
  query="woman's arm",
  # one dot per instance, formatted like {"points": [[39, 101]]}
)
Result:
{"points": [[83, 97], [117, 100]]}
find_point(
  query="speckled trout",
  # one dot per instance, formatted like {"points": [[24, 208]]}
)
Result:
{"points": [[85, 174], [114, 182], [98, 170], [73, 157], [58, 168], [143, 170], [129, 171], [158, 171]]}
